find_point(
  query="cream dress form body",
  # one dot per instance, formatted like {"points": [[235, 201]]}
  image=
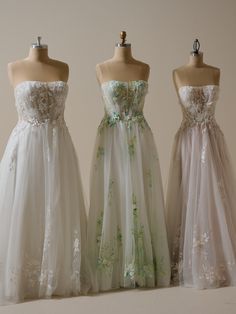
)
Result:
{"points": [[43, 219], [122, 67], [196, 73], [127, 240], [37, 67], [201, 193]]}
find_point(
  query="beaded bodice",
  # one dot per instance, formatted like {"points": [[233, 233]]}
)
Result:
{"points": [[41, 102], [198, 104], [124, 101]]}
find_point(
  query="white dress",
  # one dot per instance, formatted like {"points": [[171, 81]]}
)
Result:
{"points": [[201, 199], [127, 240], [42, 225]]}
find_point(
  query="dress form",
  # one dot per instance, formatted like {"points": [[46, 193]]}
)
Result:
{"points": [[38, 66], [200, 203], [196, 72], [127, 242], [122, 66]]}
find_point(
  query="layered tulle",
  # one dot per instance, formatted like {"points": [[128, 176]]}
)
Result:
{"points": [[201, 205], [43, 225], [127, 238]]}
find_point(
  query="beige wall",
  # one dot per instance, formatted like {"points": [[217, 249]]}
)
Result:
{"points": [[83, 33]]}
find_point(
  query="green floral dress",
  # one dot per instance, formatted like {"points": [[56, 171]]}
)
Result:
{"points": [[127, 239]]}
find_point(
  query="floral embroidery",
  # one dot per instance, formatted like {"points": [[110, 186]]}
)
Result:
{"points": [[198, 106], [109, 252], [76, 259], [160, 266], [110, 121], [131, 146], [124, 103], [34, 275], [222, 189], [209, 274], [106, 251], [200, 241], [110, 190], [203, 153], [100, 152], [113, 119], [149, 177], [130, 271], [31, 271], [13, 159], [99, 228], [41, 102], [119, 236], [139, 269], [106, 258]]}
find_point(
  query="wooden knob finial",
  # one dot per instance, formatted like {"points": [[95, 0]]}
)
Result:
{"points": [[123, 37]]}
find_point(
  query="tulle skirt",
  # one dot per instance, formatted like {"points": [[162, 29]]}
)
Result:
{"points": [[127, 240], [42, 225], [201, 209]]}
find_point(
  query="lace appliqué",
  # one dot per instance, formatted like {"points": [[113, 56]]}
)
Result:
{"points": [[208, 274], [149, 178], [124, 103], [39, 278], [139, 269], [108, 250], [114, 118], [41, 102], [132, 146], [13, 159], [76, 263], [198, 106], [212, 274], [203, 153]]}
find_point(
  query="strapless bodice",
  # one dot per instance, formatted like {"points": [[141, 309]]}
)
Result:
{"points": [[123, 102], [41, 102], [198, 104]]}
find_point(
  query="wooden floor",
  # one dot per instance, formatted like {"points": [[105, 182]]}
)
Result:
{"points": [[161, 301]]}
